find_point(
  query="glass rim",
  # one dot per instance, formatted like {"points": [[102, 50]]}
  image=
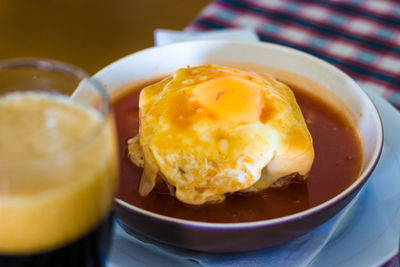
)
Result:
{"points": [[44, 64]]}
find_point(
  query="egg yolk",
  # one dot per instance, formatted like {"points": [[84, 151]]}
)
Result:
{"points": [[231, 98]]}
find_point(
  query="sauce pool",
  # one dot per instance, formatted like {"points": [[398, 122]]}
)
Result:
{"points": [[337, 163]]}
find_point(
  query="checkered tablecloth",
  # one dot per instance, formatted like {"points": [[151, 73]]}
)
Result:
{"points": [[361, 37]]}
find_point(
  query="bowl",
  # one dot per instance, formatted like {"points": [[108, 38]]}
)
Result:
{"points": [[245, 236]]}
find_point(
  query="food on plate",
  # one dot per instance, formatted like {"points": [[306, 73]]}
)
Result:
{"points": [[337, 162], [211, 130]]}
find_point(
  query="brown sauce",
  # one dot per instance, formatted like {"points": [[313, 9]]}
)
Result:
{"points": [[338, 157]]}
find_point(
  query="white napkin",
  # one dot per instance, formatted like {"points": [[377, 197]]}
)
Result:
{"points": [[128, 250], [140, 251], [163, 37]]}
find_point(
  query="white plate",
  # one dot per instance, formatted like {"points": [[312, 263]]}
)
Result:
{"points": [[372, 236]]}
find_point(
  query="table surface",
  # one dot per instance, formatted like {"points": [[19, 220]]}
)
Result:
{"points": [[88, 33]]}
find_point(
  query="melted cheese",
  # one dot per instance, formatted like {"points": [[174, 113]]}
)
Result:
{"points": [[212, 130]]}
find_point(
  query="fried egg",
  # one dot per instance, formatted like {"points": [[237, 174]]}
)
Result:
{"points": [[212, 130]]}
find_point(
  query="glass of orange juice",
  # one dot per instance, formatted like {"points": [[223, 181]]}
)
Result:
{"points": [[58, 165]]}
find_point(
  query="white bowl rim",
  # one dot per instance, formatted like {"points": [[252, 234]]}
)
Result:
{"points": [[363, 176]]}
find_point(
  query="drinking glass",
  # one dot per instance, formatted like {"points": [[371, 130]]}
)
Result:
{"points": [[58, 165]]}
